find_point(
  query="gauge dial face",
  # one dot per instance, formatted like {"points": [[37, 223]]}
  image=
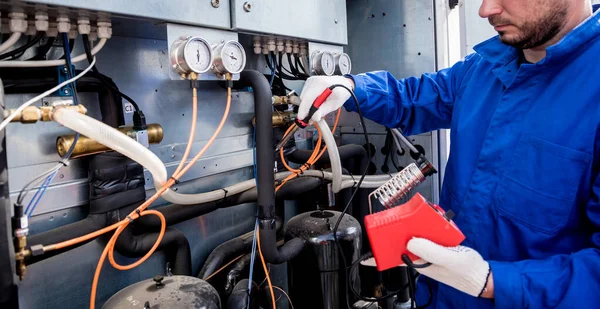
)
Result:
{"points": [[328, 63], [233, 57], [198, 55], [344, 64]]}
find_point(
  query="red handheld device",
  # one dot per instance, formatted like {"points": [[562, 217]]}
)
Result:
{"points": [[390, 230]]}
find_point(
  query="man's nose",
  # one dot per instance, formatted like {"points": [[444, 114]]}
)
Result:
{"points": [[490, 8]]}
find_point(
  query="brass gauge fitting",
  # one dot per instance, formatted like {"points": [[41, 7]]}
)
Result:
{"points": [[33, 114], [87, 146], [279, 118]]}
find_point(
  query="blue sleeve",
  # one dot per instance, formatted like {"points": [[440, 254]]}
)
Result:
{"points": [[415, 105], [561, 281]]}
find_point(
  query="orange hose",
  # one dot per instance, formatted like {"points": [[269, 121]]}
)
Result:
{"points": [[262, 259], [224, 266], [314, 157], [109, 250], [120, 226], [192, 130]]}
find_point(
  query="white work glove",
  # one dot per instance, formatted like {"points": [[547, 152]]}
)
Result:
{"points": [[314, 86], [459, 267]]}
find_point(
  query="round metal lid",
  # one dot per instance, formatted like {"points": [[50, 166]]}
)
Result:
{"points": [[166, 292]]}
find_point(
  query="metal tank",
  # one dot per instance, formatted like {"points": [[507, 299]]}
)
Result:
{"points": [[166, 292], [315, 276]]}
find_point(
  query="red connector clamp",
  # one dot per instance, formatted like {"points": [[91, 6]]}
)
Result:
{"points": [[303, 123], [390, 230]]}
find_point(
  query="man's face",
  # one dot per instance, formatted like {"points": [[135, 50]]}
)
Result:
{"points": [[525, 24]]}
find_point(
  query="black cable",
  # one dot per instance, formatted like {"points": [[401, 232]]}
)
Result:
{"points": [[279, 69], [41, 54], [88, 52], [293, 68], [371, 299], [15, 52], [299, 64], [412, 279], [274, 60], [360, 181]]}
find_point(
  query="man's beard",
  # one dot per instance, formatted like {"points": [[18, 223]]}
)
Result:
{"points": [[533, 33]]}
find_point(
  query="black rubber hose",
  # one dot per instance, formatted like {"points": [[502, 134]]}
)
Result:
{"points": [[236, 272], [91, 223], [174, 244], [228, 250], [300, 156], [175, 213], [265, 155], [239, 296], [288, 191], [225, 251]]}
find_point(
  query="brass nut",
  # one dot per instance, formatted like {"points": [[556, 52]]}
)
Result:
{"points": [[30, 114], [46, 113]]}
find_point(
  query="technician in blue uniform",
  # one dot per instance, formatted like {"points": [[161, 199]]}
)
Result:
{"points": [[523, 173]]}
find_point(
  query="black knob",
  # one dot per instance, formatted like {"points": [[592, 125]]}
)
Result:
{"points": [[158, 280], [449, 215]]}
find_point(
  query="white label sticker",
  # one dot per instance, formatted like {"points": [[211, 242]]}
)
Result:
{"points": [[128, 108]]}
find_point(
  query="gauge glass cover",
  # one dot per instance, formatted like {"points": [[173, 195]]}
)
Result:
{"points": [[197, 55]]}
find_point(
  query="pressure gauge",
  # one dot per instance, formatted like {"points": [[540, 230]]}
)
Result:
{"points": [[323, 63], [192, 54], [343, 65], [230, 57]]}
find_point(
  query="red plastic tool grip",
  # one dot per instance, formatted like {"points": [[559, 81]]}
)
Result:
{"points": [[390, 230]]}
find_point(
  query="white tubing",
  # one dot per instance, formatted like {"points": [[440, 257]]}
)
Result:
{"points": [[18, 111], [112, 138], [123, 144], [334, 156], [14, 37], [49, 63]]}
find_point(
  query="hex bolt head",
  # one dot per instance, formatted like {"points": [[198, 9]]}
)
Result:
{"points": [[215, 3], [247, 6]]}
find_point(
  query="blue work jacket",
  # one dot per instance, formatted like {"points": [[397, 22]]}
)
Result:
{"points": [[522, 176]]}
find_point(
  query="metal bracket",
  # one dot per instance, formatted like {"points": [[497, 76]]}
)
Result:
{"points": [[63, 75]]}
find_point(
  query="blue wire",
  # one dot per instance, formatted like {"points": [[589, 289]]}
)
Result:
{"points": [[272, 74], [42, 189], [35, 196], [255, 223], [34, 202]]}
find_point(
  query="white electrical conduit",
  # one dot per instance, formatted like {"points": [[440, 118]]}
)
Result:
{"points": [[123, 144], [14, 37], [49, 63], [334, 155], [18, 111]]}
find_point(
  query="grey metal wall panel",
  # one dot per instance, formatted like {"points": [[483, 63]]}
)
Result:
{"points": [[399, 37], [137, 66], [192, 12], [396, 36], [314, 20]]}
